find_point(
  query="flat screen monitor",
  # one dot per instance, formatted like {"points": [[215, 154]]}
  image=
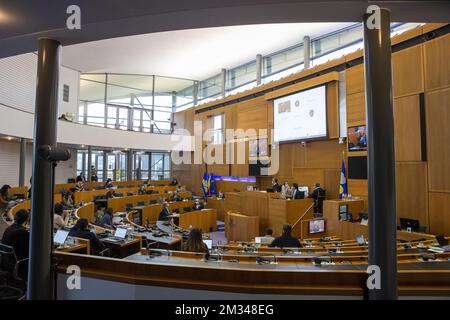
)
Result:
{"points": [[317, 226], [411, 224], [360, 240], [120, 233], [343, 208], [208, 243], [305, 189], [60, 237], [357, 138], [301, 116]]}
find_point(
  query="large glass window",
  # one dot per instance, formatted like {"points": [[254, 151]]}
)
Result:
{"points": [[216, 124], [160, 165]]}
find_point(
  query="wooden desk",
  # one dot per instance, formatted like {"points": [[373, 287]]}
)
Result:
{"points": [[124, 249], [239, 227], [218, 205], [289, 211], [86, 211], [205, 220], [80, 246]]}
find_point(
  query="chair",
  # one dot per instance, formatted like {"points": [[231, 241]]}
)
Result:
{"points": [[129, 206], [318, 203], [130, 194], [8, 253], [153, 202], [141, 203]]}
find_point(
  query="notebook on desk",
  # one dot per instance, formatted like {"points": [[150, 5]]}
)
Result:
{"points": [[119, 236]]}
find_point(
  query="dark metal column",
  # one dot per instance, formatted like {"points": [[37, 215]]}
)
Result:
{"points": [[381, 160], [40, 285], [130, 165], [23, 152], [89, 155]]}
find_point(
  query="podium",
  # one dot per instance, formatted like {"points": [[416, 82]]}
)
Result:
{"points": [[239, 227]]}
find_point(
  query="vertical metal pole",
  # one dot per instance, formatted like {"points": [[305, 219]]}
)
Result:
{"points": [[258, 69], [89, 155], [40, 284], [23, 153], [105, 166], [153, 105], [381, 159], [306, 52], [223, 82], [195, 93], [130, 165]]}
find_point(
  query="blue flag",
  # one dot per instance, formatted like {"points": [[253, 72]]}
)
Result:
{"points": [[206, 182], [343, 190]]}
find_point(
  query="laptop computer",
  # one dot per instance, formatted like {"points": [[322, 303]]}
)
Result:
{"points": [[119, 235], [443, 243], [208, 243], [60, 237]]}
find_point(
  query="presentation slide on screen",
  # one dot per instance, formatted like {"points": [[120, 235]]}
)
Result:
{"points": [[301, 116]]}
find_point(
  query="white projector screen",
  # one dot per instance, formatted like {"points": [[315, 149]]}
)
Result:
{"points": [[301, 116]]}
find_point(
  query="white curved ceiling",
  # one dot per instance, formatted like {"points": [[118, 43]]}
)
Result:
{"points": [[192, 54]]}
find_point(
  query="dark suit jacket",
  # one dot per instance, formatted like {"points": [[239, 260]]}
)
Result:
{"points": [[18, 237], [200, 206], [276, 187], [286, 242], [96, 244], [297, 194], [317, 192], [164, 214]]}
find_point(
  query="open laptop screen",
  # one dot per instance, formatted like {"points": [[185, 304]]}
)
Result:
{"points": [[60, 237], [120, 233]]}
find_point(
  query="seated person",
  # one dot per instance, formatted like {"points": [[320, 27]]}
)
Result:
{"points": [[142, 190], [286, 189], [108, 184], [297, 194], [198, 205], [79, 186], [174, 182], [165, 213], [179, 188], [17, 236], [67, 199], [94, 177], [111, 194], [5, 197], [268, 237], [220, 195], [176, 197], [60, 218], [195, 242], [106, 220], [81, 230], [286, 240], [80, 177]]}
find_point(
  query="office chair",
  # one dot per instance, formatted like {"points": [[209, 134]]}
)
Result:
{"points": [[105, 253], [130, 193], [8, 252], [141, 203], [129, 206]]}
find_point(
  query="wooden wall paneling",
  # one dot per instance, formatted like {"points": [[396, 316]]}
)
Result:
{"points": [[439, 212], [333, 109], [332, 182], [354, 79], [437, 106], [412, 192], [299, 156], [356, 108], [308, 177], [407, 129], [437, 66], [324, 154], [285, 161], [407, 71], [252, 114]]}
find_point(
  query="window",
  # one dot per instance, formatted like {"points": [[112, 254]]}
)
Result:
{"points": [[217, 127], [160, 165]]}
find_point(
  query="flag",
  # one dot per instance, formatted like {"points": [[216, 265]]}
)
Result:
{"points": [[343, 191], [206, 182], [212, 185]]}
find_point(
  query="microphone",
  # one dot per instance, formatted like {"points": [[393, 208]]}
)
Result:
{"points": [[53, 153]]}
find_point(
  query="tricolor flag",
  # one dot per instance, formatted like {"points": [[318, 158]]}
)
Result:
{"points": [[343, 191], [206, 184]]}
